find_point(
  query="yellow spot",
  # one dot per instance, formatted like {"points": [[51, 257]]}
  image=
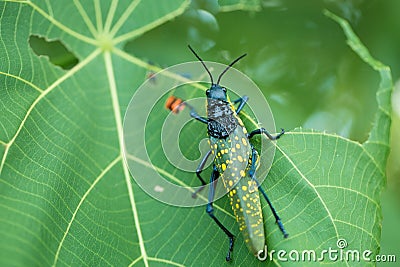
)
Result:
{"points": [[244, 198], [226, 150], [233, 150], [212, 152], [240, 158], [248, 205], [244, 188], [237, 206], [215, 146], [222, 144], [229, 141], [223, 166], [231, 194], [237, 146], [222, 151], [244, 141], [230, 183], [219, 155], [236, 138], [242, 173]]}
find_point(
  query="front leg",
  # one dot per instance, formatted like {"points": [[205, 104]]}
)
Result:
{"points": [[196, 116], [177, 104], [242, 101], [263, 131]]}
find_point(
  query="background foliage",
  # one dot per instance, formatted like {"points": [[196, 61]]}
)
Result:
{"points": [[64, 194]]}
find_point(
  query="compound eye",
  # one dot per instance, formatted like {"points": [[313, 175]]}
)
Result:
{"points": [[208, 92], [224, 89]]}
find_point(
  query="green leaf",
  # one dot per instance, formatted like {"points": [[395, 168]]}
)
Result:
{"points": [[232, 5], [66, 198]]}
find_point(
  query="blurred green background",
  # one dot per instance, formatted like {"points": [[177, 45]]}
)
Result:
{"points": [[299, 59]]}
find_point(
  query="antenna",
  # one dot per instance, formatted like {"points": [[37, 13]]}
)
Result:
{"points": [[230, 65], [209, 73], [202, 62]]}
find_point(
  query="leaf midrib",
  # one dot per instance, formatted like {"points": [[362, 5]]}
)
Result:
{"points": [[113, 91]]}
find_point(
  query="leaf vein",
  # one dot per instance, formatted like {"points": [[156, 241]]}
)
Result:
{"points": [[98, 178], [41, 96], [312, 186], [152, 25]]}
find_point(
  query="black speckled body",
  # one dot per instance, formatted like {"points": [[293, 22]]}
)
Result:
{"points": [[222, 119]]}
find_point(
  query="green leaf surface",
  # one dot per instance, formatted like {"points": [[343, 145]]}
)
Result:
{"points": [[66, 197], [232, 5]]}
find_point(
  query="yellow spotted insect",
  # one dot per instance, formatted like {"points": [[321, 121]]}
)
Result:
{"points": [[235, 161]]}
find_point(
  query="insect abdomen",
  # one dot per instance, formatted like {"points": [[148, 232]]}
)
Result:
{"points": [[232, 161], [246, 205]]}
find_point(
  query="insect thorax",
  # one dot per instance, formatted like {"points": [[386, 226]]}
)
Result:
{"points": [[222, 120]]}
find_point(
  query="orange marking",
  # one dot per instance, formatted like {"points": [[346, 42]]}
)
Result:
{"points": [[174, 104]]}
